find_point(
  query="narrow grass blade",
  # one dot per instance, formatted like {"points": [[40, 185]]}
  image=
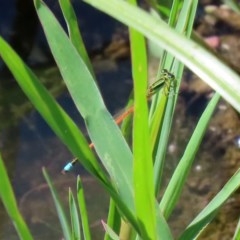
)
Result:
{"points": [[110, 232], [83, 210], [53, 114], [157, 120], [186, 18], [237, 232], [143, 166], [114, 219], [74, 33], [160, 129], [184, 25], [62, 217], [210, 211], [195, 57], [180, 174], [10, 204], [112, 150], [163, 122], [75, 223]]}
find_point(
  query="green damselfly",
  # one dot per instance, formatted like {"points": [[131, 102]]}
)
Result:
{"points": [[166, 81]]}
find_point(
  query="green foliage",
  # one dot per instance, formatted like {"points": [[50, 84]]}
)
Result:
{"points": [[83, 210], [142, 157], [8, 199], [132, 178], [194, 56], [62, 216]]}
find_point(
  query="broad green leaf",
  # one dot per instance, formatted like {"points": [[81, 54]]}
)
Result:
{"points": [[104, 133], [74, 33], [53, 114]]}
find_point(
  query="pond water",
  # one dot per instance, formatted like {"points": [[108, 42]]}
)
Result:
{"points": [[27, 144]]}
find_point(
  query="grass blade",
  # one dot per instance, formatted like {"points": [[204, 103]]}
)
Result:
{"points": [[163, 230], [110, 232], [237, 232], [53, 114], [114, 219], [113, 151], [83, 210], [10, 204], [74, 33], [177, 181], [62, 217], [210, 211], [143, 186], [75, 223], [184, 26]]}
